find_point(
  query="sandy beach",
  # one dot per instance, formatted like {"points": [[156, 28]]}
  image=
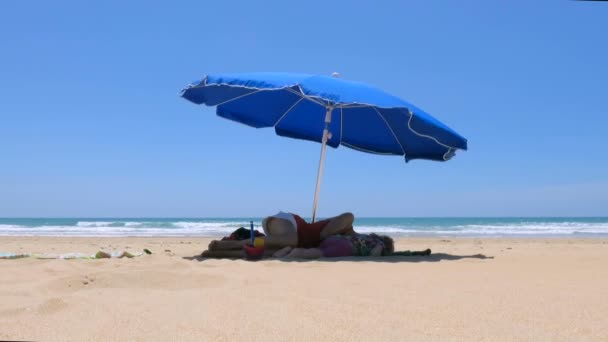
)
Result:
{"points": [[518, 289]]}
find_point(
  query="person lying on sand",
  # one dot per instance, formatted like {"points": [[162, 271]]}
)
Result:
{"points": [[364, 245], [360, 245], [286, 230]]}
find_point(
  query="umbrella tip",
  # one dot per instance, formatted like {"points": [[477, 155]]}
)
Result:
{"points": [[335, 74]]}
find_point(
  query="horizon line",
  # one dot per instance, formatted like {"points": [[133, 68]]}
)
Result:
{"points": [[255, 217]]}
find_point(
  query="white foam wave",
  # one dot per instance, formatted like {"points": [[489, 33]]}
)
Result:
{"points": [[94, 224], [206, 225], [221, 228], [126, 228], [525, 228], [522, 228], [384, 229], [10, 226]]}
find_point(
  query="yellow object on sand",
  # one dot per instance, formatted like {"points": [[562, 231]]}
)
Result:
{"points": [[258, 242]]}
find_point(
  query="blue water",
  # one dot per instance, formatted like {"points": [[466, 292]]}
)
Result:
{"points": [[499, 226]]}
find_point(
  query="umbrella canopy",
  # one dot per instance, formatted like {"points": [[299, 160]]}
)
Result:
{"points": [[329, 110]]}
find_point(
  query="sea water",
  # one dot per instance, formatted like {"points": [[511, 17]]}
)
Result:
{"points": [[461, 226]]}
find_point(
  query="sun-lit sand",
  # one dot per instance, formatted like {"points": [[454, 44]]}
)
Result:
{"points": [[520, 289]]}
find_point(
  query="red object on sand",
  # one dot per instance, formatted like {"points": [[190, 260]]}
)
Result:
{"points": [[253, 253]]}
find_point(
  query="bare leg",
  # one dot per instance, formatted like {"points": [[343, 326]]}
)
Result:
{"points": [[217, 245], [305, 253], [282, 252], [341, 224], [234, 254], [270, 241], [425, 252], [280, 241]]}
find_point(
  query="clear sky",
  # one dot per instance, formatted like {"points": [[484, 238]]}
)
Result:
{"points": [[92, 124]]}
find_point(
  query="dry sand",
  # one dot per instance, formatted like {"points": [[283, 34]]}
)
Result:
{"points": [[528, 289]]}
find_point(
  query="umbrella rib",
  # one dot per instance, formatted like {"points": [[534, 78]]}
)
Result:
{"points": [[240, 97], [287, 111], [446, 155], [341, 123], [365, 150], [356, 105], [310, 98], [390, 129]]}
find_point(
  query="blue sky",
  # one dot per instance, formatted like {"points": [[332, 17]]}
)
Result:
{"points": [[92, 125]]}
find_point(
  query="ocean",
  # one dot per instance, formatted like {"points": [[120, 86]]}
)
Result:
{"points": [[461, 226]]}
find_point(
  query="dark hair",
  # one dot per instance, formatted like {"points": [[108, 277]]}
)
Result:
{"points": [[389, 244]]}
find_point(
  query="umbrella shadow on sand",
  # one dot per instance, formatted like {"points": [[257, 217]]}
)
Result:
{"points": [[435, 257]]}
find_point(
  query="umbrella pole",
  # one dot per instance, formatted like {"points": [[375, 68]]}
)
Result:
{"points": [[326, 136]]}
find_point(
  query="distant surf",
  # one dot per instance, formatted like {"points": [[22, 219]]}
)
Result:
{"points": [[507, 227]]}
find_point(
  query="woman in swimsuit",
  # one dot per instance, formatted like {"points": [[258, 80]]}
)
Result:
{"points": [[286, 230]]}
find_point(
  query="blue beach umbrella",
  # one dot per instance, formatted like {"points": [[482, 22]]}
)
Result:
{"points": [[329, 110]]}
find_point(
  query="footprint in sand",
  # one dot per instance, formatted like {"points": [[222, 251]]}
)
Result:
{"points": [[87, 280], [52, 306]]}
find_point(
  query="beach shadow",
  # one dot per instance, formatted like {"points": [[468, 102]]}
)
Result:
{"points": [[435, 257]]}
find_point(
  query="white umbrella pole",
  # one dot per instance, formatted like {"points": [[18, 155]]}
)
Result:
{"points": [[326, 136]]}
